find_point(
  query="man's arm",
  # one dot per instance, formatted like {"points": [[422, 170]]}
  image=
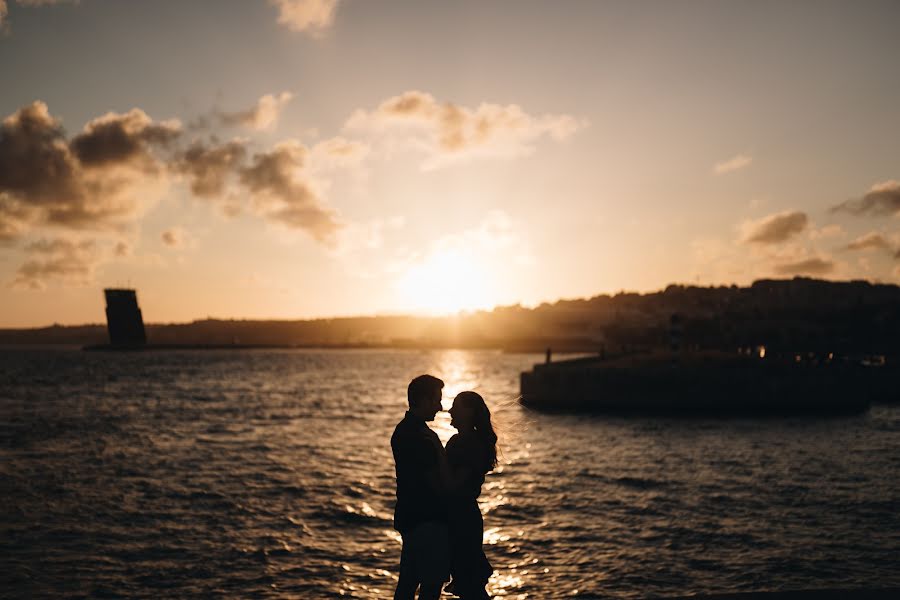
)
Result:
{"points": [[420, 454]]}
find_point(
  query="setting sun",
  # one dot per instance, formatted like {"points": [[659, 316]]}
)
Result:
{"points": [[447, 281]]}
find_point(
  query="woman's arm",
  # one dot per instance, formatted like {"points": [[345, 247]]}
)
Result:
{"points": [[451, 478]]}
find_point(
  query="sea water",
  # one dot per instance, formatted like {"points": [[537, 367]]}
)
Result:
{"points": [[268, 474]]}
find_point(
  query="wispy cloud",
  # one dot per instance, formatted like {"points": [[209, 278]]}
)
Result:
{"points": [[283, 195], [122, 249], [262, 116], [883, 199], [449, 132], [175, 237], [870, 241], [14, 218], [339, 151], [69, 261], [776, 228], [4, 9], [809, 266], [357, 242], [208, 167], [310, 16], [828, 231], [283, 184], [735, 163]]}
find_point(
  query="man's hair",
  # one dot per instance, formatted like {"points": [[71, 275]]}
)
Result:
{"points": [[420, 387]]}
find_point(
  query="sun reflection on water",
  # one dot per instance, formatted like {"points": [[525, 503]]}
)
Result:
{"points": [[457, 372], [494, 536], [454, 367], [489, 503], [504, 584]]}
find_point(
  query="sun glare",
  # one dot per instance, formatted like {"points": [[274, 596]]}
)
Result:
{"points": [[446, 282]]}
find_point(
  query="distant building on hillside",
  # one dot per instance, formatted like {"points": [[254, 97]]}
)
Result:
{"points": [[123, 318]]}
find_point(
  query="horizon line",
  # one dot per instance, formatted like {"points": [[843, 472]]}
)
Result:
{"points": [[459, 313]]}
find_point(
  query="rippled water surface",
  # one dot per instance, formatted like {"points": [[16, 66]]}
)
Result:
{"points": [[269, 474]]}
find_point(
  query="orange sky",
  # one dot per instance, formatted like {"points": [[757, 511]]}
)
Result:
{"points": [[305, 158]]}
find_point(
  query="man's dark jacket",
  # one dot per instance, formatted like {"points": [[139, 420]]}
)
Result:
{"points": [[416, 458]]}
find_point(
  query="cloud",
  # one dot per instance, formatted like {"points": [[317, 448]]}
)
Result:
{"points": [[828, 231], [776, 228], [88, 183], [208, 167], [122, 249], [36, 165], [869, 241], [493, 236], [883, 199], [733, 164], [13, 219], [4, 8], [356, 241], [99, 179], [449, 132], [339, 151], [495, 231], [123, 138], [312, 16], [175, 237], [809, 266], [283, 194], [262, 116], [60, 259], [279, 183]]}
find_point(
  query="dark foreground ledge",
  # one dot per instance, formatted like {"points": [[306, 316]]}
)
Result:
{"points": [[705, 383], [829, 594]]}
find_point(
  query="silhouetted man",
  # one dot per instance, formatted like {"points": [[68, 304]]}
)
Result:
{"points": [[421, 513]]}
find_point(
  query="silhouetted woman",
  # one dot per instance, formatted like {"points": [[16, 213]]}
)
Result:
{"points": [[471, 453]]}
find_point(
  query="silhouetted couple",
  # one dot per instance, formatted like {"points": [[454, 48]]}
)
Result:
{"points": [[437, 511]]}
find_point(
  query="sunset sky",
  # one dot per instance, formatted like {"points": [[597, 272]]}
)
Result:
{"points": [[312, 158]]}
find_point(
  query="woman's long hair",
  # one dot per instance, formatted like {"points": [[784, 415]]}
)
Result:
{"points": [[481, 416]]}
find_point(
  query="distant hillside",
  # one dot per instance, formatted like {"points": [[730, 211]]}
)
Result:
{"points": [[792, 315]]}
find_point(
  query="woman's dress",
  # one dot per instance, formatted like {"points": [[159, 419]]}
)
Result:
{"points": [[469, 566]]}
